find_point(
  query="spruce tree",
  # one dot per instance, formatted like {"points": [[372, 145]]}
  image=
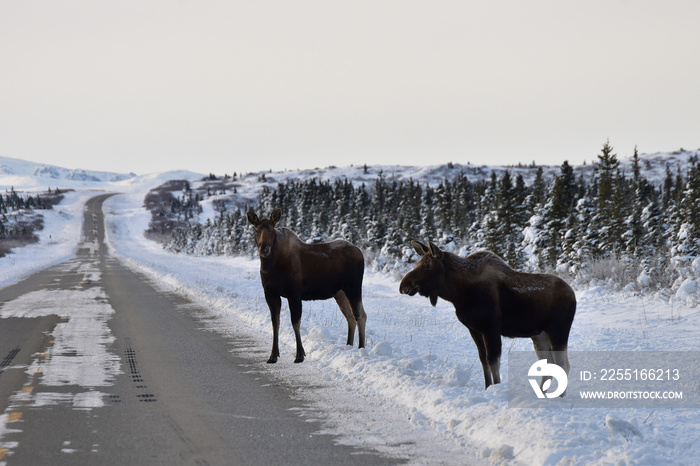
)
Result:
{"points": [[667, 196], [609, 218], [539, 187], [687, 239], [652, 249], [605, 169]]}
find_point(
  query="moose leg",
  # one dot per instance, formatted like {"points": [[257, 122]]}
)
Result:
{"points": [[274, 302], [559, 351], [295, 311], [561, 357], [358, 311], [345, 308], [493, 355], [478, 338], [543, 348]]}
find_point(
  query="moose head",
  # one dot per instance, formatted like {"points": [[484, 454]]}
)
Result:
{"points": [[265, 235], [425, 279]]}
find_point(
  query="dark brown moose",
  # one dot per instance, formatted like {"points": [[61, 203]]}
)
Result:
{"points": [[491, 300], [292, 269]]}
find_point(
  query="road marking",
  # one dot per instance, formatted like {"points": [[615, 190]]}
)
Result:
{"points": [[16, 416], [3, 452], [27, 389]]}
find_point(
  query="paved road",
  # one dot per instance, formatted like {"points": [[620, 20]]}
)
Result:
{"points": [[97, 367]]}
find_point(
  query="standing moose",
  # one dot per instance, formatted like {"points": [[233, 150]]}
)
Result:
{"points": [[292, 269], [491, 300]]}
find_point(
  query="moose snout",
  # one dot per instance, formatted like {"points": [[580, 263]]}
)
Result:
{"points": [[265, 251], [408, 288]]}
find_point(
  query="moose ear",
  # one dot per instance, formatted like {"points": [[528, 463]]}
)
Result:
{"points": [[276, 216], [253, 219], [420, 248], [435, 251]]}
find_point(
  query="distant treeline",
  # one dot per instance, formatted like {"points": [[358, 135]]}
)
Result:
{"points": [[642, 233]]}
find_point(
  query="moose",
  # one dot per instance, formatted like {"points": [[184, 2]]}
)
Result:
{"points": [[292, 269], [491, 299]]}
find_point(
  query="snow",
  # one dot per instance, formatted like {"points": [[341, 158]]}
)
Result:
{"points": [[416, 391]]}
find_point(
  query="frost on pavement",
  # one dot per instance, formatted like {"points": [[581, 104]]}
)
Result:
{"points": [[80, 353]]}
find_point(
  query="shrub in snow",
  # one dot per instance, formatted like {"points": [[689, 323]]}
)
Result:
{"points": [[688, 291], [644, 279], [623, 428]]}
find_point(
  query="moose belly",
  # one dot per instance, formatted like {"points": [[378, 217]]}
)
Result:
{"points": [[523, 324], [318, 289], [316, 296], [521, 331]]}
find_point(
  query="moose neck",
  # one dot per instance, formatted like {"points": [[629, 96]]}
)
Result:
{"points": [[279, 249], [449, 288], [266, 263]]}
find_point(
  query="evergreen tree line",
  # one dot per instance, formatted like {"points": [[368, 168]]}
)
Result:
{"points": [[14, 206], [609, 225]]}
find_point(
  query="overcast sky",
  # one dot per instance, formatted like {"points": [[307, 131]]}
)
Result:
{"points": [[224, 86]]}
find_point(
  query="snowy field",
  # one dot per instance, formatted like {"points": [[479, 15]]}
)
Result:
{"points": [[416, 391]]}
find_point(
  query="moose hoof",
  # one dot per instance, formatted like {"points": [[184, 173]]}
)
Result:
{"points": [[298, 360], [272, 360]]}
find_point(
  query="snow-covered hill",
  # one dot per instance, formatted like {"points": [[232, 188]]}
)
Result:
{"points": [[30, 175], [653, 167]]}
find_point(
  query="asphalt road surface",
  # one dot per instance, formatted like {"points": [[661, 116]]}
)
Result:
{"points": [[97, 367]]}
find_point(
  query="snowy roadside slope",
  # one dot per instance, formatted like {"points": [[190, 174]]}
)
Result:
{"points": [[57, 241], [417, 389]]}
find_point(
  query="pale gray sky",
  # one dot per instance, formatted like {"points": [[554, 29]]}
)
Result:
{"points": [[229, 85]]}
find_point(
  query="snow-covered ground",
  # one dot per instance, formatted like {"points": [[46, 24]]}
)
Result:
{"points": [[417, 389]]}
